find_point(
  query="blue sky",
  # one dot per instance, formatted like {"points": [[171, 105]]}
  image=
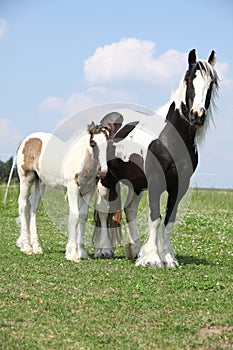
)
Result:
{"points": [[56, 57]]}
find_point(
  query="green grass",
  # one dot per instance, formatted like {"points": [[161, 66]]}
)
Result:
{"points": [[50, 303]]}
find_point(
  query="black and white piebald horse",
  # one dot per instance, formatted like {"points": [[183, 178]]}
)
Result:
{"points": [[158, 153]]}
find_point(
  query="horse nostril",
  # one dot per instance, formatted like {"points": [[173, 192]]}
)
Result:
{"points": [[201, 112], [193, 115], [197, 113]]}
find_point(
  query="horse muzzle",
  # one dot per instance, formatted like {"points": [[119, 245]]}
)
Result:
{"points": [[198, 117]]}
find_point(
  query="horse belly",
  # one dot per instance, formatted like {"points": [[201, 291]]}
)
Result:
{"points": [[50, 163]]}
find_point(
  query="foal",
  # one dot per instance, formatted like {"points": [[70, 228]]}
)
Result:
{"points": [[45, 160]]}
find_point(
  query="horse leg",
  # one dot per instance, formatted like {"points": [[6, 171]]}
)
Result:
{"points": [[71, 247], [149, 255], [115, 214], [83, 203], [133, 244], [35, 201], [102, 243], [23, 241], [165, 247]]}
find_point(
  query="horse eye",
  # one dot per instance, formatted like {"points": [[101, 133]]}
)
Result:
{"points": [[92, 143]]}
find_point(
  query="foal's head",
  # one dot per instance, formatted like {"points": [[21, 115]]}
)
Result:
{"points": [[201, 82], [99, 137]]}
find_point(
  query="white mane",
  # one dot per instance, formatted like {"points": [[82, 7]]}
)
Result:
{"points": [[207, 68], [178, 96]]}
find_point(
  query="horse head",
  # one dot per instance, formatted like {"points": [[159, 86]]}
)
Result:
{"points": [[99, 137], [200, 81]]}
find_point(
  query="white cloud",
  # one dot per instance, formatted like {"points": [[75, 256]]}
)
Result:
{"points": [[3, 27], [126, 70], [78, 101], [223, 72], [75, 102], [9, 137], [133, 59]]}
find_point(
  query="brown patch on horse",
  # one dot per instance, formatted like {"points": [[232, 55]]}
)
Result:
{"points": [[31, 151], [76, 179], [117, 218]]}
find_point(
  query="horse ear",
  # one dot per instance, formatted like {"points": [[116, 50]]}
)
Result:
{"points": [[91, 127], [192, 58], [124, 132], [212, 58], [113, 118], [112, 129]]}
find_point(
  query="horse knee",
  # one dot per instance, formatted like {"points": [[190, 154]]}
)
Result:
{"points": [[73, 217], [23, 206], [83, 216]]}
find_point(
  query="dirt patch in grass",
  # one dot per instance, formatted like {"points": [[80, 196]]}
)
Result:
{"points": [[220, 333]]}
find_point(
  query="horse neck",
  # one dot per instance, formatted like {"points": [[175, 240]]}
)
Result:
{"points": [[176, 118], [185, 130]]}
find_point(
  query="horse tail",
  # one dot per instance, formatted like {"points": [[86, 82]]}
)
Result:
{"points": [[114, 220]]}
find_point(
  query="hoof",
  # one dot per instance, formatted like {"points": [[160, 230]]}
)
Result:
{"points": [[171, 264], [24, 247], [150, 260], [36, 249], [132, 250], [169, 260], [27, 251], [104, 253], [73, 259], [83, 254], [73, 253]]}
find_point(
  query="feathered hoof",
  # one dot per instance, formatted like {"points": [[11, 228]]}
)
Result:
{"points": [[83, 254], [36, 249], [71, 252], [73, 259], [24, 247], [151, 260], [104, 253], [169, 260], [171, 264], [27, 251], [132, 250]]}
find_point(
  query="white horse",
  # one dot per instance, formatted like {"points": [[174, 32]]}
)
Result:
{"points": [[45, 160]]}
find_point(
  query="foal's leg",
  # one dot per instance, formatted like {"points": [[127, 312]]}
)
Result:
{"points": [[133, 243], [71, 247], [83, 203], [23, 241], [149, 255], [102, 243], [35, 201]]}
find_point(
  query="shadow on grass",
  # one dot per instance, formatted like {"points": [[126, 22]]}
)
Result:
{"points": [[183, 259], [192, 260]]}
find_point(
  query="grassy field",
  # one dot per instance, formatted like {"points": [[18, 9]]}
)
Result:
{"points": [[50, 303]]}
